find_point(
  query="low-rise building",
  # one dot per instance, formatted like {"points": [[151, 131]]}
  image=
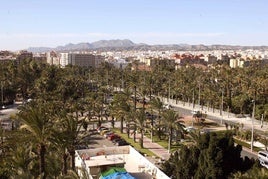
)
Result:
{"points": [[96, 161]]}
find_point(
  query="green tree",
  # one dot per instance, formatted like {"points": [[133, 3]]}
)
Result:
{"points": [[157, 104], [140, 119], [214, 156], [36, 118], [171, 122]]}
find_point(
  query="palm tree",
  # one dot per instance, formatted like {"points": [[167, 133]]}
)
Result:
{"points": [[120, 108], [157, 104], [140, 119], [61, 141], [70, 127], [171, 122], [37, 120], [133, 82], [22, 159]]}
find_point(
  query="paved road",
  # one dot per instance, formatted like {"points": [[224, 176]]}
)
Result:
{"points": [[186, 109], [248, 153], [226, 116], [96, 140]]}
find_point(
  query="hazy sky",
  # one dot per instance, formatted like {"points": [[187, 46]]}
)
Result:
{"points": [[25, 23]]}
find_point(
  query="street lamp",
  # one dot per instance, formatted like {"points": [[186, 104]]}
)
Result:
{"points": [[168, 90], [252, 127], [199, 95], [221, 111], [2, 94]]}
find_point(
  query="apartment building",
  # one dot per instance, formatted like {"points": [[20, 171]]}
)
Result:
{"points": [[53, 58], [23, 55], [80, 59], [63, 61]]}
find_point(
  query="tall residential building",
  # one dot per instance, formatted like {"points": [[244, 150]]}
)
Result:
{"points": [[83, 60], [53, 58], [98, 60], [23, 55], [64, 59]]}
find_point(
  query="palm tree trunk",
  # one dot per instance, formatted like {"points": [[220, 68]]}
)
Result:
{"points": [[152, 128], [64, 170], [169, 140], [42, 165], [127, 125], [121, 125], [135, 98], [134, 133], [72, 153], [141, 139], [112, 121]]}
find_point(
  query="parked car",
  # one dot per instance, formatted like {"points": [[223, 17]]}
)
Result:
{"points": [[81, 147], [114, 136], [104, 131], [108, 134], [190, 129], [205, 131], [116, 140], [99, 129], [167, 106], [121, 143]]}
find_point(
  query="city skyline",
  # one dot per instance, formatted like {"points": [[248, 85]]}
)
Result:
{"points": [[53, 23]]}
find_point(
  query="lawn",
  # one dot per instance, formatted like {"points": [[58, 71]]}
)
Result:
{"points": [[136, 145]]}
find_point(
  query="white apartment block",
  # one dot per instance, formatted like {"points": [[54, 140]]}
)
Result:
{"points": [[64, 59]]}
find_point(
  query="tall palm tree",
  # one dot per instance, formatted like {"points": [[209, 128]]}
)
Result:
{"points": [[157, 104], [61, 142], [36, 118], [133, 83], [171, 122], [140, 119], [120, 108], [70, 127]]}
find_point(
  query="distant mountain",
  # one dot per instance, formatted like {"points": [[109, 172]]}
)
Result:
{"points": [[113, 43], [39, 49], [129, 45], [72, 47]]}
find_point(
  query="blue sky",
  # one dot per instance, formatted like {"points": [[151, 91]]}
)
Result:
{"points": [[25, 23]]}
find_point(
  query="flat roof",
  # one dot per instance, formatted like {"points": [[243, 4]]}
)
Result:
{"points": [[105, 160], [134, 163]]}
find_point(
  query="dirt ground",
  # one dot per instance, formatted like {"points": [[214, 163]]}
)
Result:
{"points": [[207, 124]]}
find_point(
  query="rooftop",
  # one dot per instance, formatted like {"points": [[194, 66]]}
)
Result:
{"points": [[100, 159]]}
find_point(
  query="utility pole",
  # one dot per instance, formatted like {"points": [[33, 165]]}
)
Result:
{"points": [[252, 127], [168, 90], [221, 111]]}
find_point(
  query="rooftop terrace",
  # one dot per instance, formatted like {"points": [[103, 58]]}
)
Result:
{"points": [[97, 160]]}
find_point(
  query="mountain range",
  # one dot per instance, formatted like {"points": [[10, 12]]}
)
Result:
{"points": [[129, 45]]}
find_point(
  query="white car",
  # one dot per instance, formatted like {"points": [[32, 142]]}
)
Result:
{"points": [[167, 106], [190, 129]]}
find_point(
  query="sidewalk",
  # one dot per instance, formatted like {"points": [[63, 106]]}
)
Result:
{"points": [[154, 147], [157, 149]]}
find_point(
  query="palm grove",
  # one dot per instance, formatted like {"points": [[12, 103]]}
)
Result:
{"points": [[46, 131]]}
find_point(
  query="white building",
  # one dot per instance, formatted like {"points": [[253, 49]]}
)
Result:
{"points": [[94, 162], [120, 63], [64, 59]]}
